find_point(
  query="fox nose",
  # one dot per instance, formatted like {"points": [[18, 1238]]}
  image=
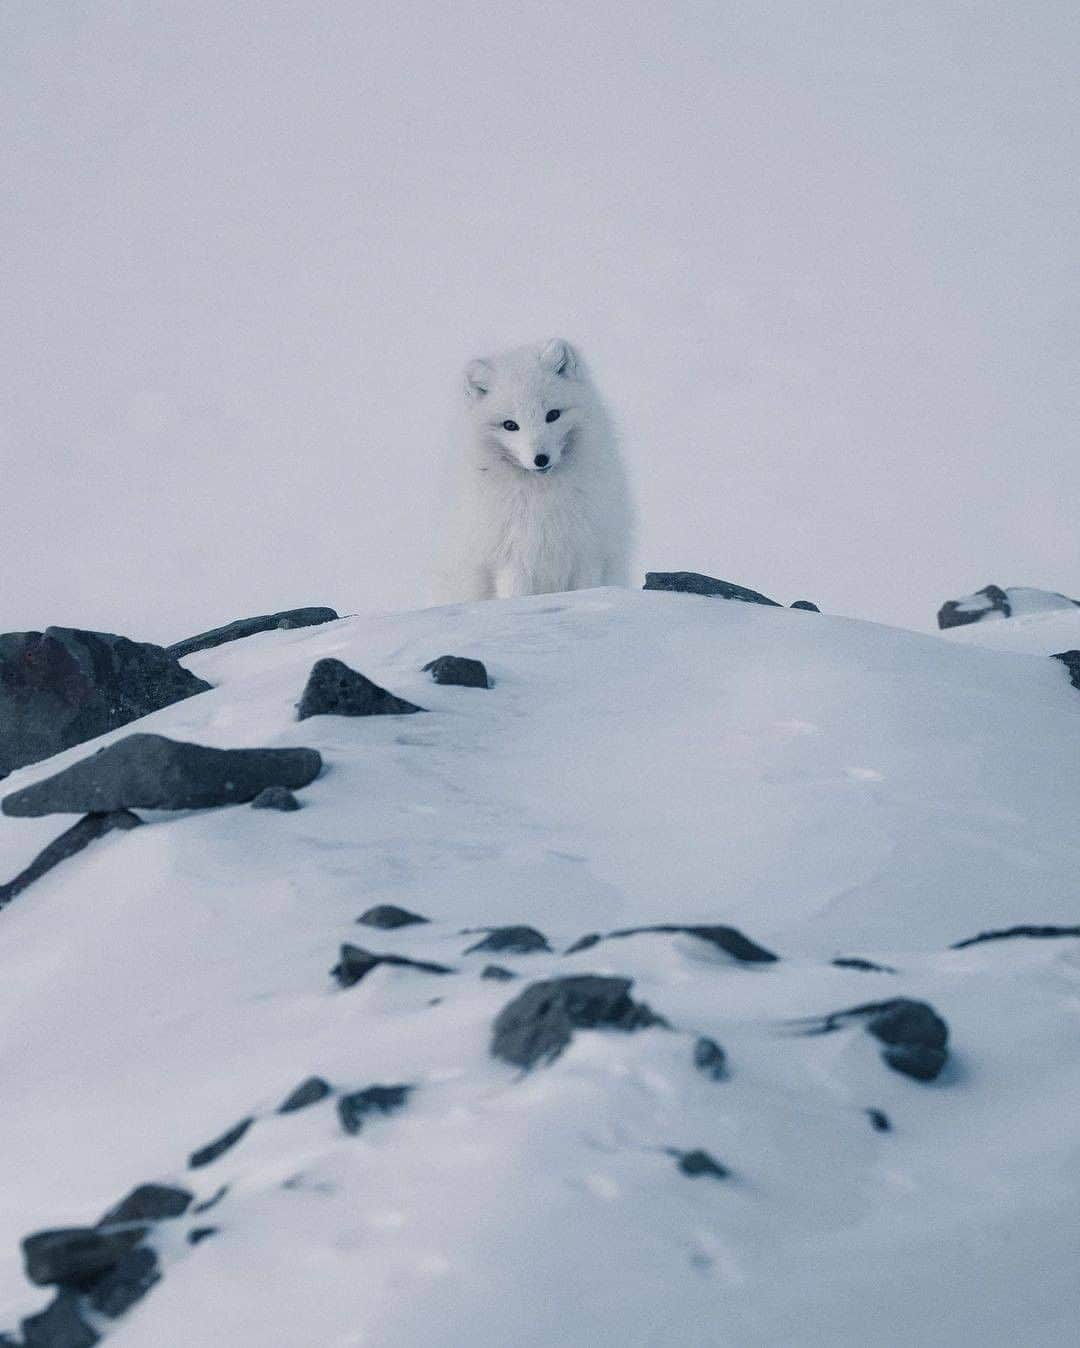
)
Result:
{"points": [[541, 460]]}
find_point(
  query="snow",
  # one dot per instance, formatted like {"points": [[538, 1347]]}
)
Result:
{"points": [[830, 786]]}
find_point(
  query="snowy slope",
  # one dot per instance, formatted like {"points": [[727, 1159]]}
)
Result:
{"points": [[831, 787]]}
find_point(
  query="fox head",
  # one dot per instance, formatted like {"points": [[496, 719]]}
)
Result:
{"points": [[527, 404]]}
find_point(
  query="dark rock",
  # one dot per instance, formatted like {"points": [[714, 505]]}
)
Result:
{"points": [[879, 1120], [914, 1034], [457, 669], [690, 582], [247, 627], [698, 1162], [498, 973], [511, 941], [198, 1234], [356, 963], [975, 607], [920, 1061], [125, 1284], [220, 1145], [710, 1058], [71, 841], [149, 1203], [584, 943], [63, 686], [309, 1092], [275, 798], [59, 1325], [857, 962], [1071, 661], [333, 689], [1008, 933], [388, 917], [807, 605], [6, 1341], [75, 1256], [729, 939], [162, 774], [353, 1109], [211, 1202], [539, 1023]]}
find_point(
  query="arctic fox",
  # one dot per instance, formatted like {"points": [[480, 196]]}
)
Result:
{"points": [[542, 503]]}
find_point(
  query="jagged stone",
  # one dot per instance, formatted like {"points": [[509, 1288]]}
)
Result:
{"points": [[246, 627], [539, 1023], [511, 941], [152, 772], [356, 963], [354, 1109], [388, 917], [309, 1092], [691, 582], [149, 1203], [333, 689], [220, 1145], [457, 669], [63, 686], [70, 842], [125, 1284]]}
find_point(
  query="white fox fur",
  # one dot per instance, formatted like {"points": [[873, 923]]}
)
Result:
{"points": [[518, 527]]}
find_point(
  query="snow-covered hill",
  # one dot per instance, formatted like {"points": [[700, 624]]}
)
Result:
{"points": [[831, 788]]}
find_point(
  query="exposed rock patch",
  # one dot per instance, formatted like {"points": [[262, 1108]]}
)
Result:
{"points": [[1071, 661], [152, 772], [59, 1325], [1011, 933], [691, 582], [356, 963], [459, 670], [698, 1162], [247, 627], [805, 604], [356, 1108], [728, 939], [710, 1059], [388, 917], [127, 1283], [149, 1203], [75, 1256], [857, 962], [275, 798], [63, 686], [511, 941], [70, 842], [309, 1092], [212, 1150], [539, 1023], [914, 1035], [333, 689]]}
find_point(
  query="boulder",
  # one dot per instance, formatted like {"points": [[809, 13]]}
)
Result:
{"points": [[356, 963], [355, 1108], [710, 1058], [63, 686], [388, 917], [220, 1145], [698, 1162], [275, 798], [69, 842], [457, 669], [75, 1256], [511, 941], [149, 1203], [309, 1092], [156, 773], [690, 582], [59, 1325], [247, 627], [125, 1284], [333, 689], [539, 1023]]}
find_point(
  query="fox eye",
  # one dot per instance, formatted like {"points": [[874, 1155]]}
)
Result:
{"points": [[511, 426], [553, 415]]}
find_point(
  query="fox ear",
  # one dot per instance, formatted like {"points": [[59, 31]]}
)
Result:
{"points": [[478, 376], [558, 357]]}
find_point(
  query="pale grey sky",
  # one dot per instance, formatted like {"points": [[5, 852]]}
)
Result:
{"points": [[822, 258]]}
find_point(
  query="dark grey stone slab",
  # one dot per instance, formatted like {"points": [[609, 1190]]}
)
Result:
{"points": [[1071, 661], [697, 1162], [388, 917], [149, 1203], [914, 1035], [710, 1059], [70, 842], [75, 1256], [459, 670], [63, 686], [156, 773], [59, 1325], [309, 1092], [248, 627], [356, 963], [690, 582], [354, 1109], [806, 604], [125, 1284], [539, 1023], [1037, 933], [511, 941], [333, 689], [212, 1150]]}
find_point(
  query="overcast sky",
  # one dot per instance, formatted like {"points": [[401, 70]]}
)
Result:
{"points": [[823, 259]]}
